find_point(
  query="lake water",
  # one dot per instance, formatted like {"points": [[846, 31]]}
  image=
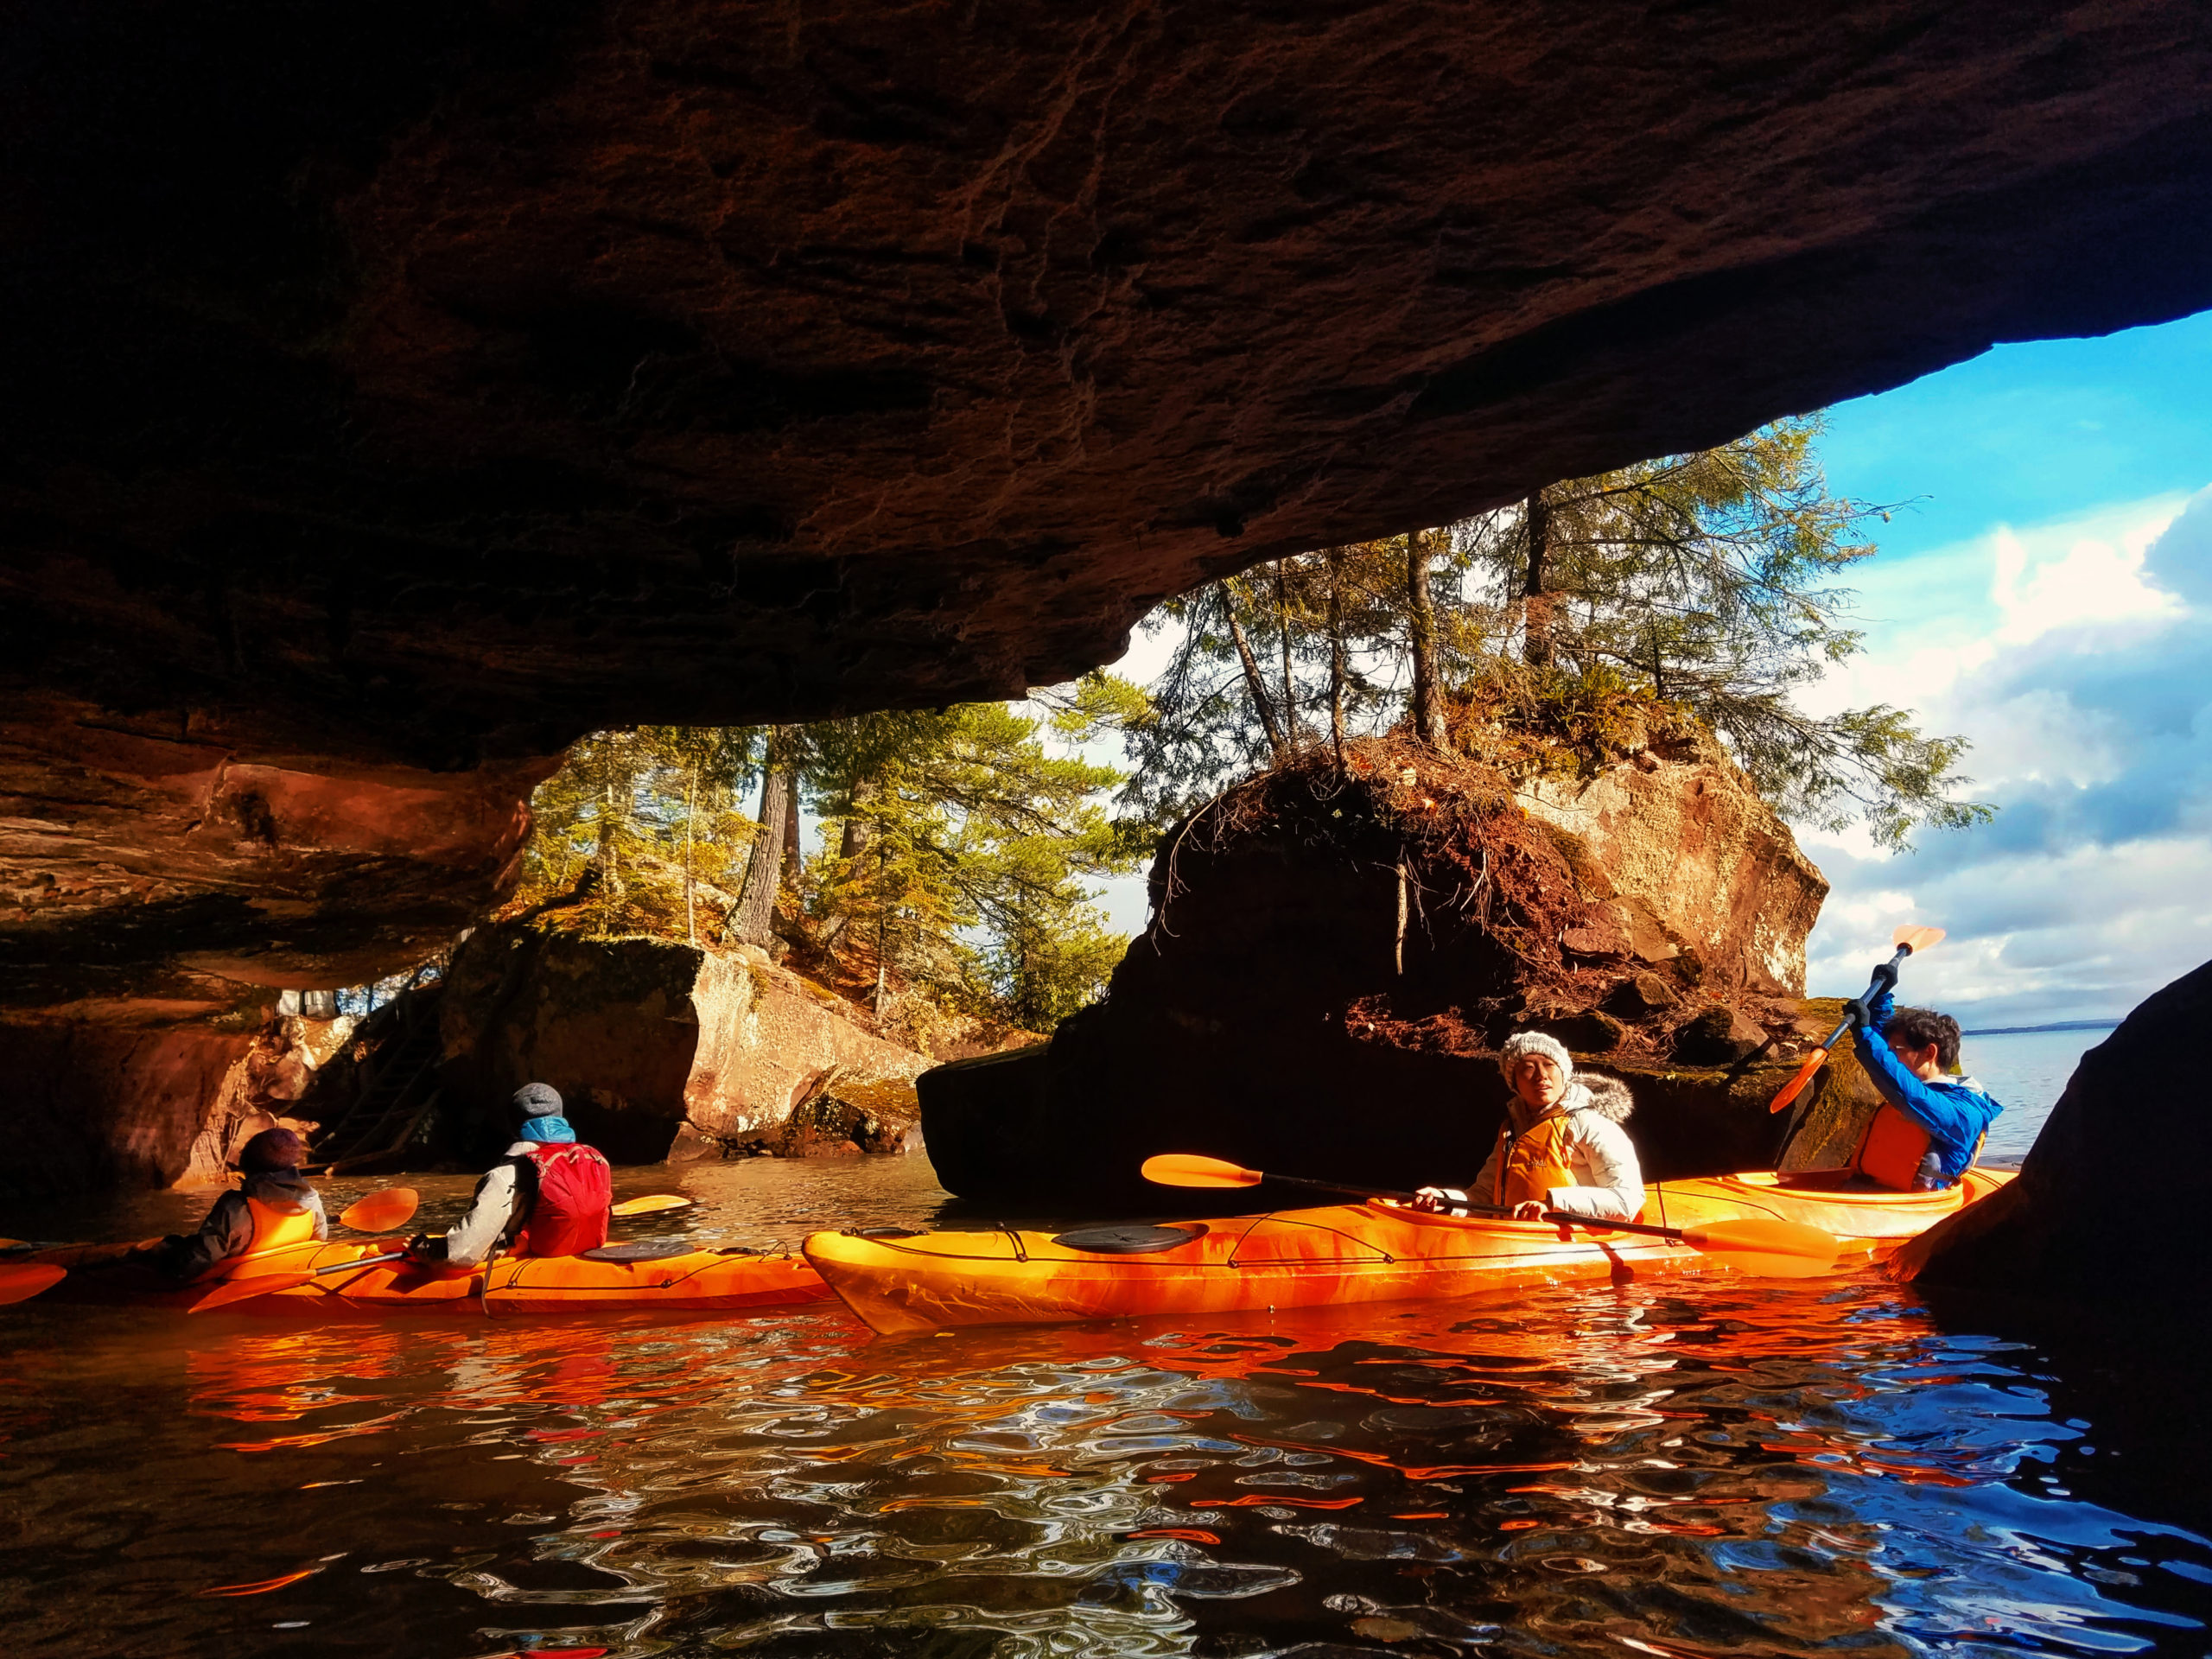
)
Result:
{"points": [[1687, 1468], [2026, 1070]]}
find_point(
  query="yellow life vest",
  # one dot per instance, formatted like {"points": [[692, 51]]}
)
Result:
{"points": [[274, 1231], [1534, 1162]]}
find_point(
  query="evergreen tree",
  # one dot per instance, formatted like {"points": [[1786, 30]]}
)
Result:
{"points": [[1705, 583]]}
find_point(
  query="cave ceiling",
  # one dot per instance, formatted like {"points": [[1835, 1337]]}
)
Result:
{"points": [[394, 393]]}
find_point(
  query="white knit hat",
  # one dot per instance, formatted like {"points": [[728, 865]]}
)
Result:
{"points": [[1523, 1043]]}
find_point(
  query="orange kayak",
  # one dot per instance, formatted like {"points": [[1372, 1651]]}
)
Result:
{"points": [[1372, 1252], [674, 1281]]}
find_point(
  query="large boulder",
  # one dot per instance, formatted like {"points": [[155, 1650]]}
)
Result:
{"points": [[1330, 966], [2111, 1201], [1687, 856], [663, 1050]]}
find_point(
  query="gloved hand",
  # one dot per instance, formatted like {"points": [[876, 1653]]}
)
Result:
{"points": [[428, 1248], [1885, 979], [1859, 1013]]}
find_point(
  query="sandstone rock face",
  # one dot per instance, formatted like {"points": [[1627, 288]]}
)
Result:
{"points": [[92, 1109], [2111, 1201], [659, 1049], [1331, 967], [395, 394], [157, 871], [1693, 859]]}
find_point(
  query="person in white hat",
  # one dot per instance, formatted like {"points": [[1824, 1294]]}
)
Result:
{"points": [[1562, 1148]]}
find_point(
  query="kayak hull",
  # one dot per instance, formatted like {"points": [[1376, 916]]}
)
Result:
{"points": [[1371, 1252], [696, 1281]]}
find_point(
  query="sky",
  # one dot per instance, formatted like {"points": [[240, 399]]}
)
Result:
{"points": [[2049, 596], [2044, 589]]}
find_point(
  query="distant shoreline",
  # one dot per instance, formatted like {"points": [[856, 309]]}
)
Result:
{"points": [[2063, 1025]]}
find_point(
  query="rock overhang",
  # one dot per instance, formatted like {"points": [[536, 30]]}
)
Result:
{"points": [[415, 394]]}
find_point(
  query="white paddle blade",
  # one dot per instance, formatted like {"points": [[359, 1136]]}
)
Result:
{"points": [[1916, 939], [1193, 1169]]}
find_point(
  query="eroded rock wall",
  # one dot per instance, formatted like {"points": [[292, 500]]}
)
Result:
{"points": [[92, 1109], [395, 394], [659, 1049]]}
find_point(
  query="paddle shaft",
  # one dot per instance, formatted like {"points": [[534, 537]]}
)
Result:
{"points": [[1558, 1217]]}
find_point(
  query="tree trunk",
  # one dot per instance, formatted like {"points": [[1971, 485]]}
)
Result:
{"points": [[764, 869], [1337, 654], [1253, 684], [1420, 609], [794, 860], [1535, 599], [1290, 733], [860, 828], [690, 814], [610, 882]]}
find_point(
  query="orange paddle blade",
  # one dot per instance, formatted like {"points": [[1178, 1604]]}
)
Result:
{"points": [[653, 1205], [1767, 1245], [1796, 1086], [22, 1282], [380, 1212], [243, 1290], [1917, 939], [1193, 1169]]}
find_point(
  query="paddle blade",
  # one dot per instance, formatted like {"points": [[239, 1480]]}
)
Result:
{"points": [[22, 1282], [1916, 939], [652, 1206], [380, 1212], [243, 1290], [1193, 1169], [1767, 1246], [1796, 1086]]}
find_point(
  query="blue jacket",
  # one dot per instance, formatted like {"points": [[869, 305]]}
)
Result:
{"points": [[1955, 1111]]}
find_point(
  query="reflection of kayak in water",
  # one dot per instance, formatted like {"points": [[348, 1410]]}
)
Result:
{"points": [[1372, 1252], [672, 1277]]}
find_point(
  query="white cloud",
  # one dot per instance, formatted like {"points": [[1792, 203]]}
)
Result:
{"points": [[2082, 673]]}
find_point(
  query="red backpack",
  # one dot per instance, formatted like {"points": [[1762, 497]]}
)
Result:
{"points": [[569, 1215]]}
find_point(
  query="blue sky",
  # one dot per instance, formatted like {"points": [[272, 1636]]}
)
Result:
{"points": [[2049, 597], [2047, 592]]}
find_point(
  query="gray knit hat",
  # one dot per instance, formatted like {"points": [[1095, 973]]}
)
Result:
{"points": [[1522, 1043], [536, 1100]]}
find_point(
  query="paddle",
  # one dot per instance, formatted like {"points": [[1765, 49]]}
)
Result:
{"points": [[377, 1212], [22, 1280], [652, 1206], [1759, 1244], [1907, 940], [266, 1284]]}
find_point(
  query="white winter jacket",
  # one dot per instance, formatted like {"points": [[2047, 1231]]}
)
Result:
{"points": [[1608, 1180]]}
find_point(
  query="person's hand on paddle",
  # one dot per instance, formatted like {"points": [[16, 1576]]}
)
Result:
{"points": [[426, 1250], [1529, 1209], [1435, 1200]]}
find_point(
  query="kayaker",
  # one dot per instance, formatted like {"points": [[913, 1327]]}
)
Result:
{"points": [[1926, 1134], [274, 1206], [1563, 1148], [549, 1196]]}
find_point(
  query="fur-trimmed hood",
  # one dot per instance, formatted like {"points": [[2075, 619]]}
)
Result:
{"points": [[1609, 1096]]}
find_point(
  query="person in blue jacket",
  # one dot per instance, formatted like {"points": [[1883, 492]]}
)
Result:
{"points": [[1912, 1068]]}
